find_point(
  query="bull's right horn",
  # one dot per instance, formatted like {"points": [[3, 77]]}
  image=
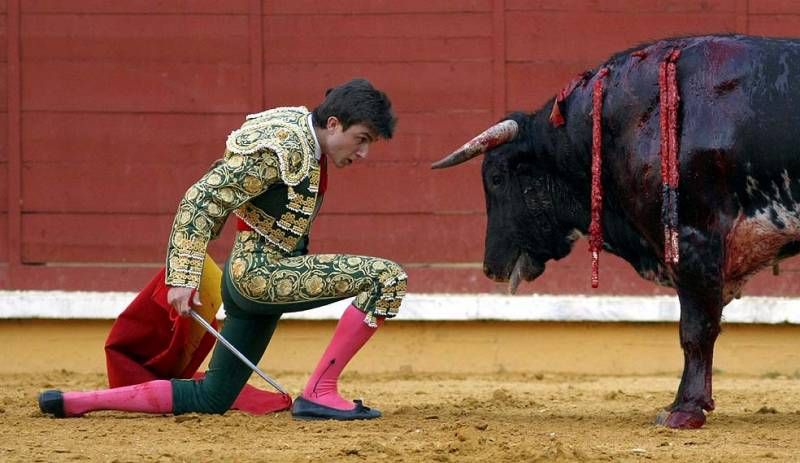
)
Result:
{"points": [[493, 136]]}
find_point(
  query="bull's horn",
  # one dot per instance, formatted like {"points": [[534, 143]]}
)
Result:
{"points": [[491, 137]]}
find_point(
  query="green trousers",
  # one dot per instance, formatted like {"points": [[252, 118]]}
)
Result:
{"points": [[283, 285]]}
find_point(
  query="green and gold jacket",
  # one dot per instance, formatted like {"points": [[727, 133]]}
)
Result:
{"points": [[269, 177]]}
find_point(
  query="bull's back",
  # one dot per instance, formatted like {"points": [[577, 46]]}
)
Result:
{"points": [[739, 138]]}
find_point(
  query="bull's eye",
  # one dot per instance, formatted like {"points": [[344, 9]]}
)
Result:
{"points": [[497, 179]]}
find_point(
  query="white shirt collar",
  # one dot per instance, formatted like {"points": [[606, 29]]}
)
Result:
{"points": [[317, 149]]}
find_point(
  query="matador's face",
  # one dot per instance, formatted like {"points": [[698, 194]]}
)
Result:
{"points": [[343, 147]]}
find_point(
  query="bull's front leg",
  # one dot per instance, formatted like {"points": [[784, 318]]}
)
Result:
{"points": [[699, 328]]}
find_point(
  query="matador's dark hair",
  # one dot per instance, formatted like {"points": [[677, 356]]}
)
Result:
{"points": [[357, 102]]}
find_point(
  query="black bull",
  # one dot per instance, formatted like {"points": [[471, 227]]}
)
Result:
{"points": [[739, 190]]}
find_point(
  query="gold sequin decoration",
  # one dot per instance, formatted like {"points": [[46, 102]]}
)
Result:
{"points": [[378, 285], [202, 212], [282, 130]]}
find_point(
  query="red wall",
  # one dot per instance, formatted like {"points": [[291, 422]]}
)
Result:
{"points": [[111, 109]]}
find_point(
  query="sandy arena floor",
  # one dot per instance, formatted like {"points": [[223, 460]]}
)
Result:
{"points": [[428, 416]]}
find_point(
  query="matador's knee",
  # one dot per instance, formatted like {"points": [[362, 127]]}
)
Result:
{"points": [[388, 283]]}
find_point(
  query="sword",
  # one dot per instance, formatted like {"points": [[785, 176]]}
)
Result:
{"points": [[235, 352]]}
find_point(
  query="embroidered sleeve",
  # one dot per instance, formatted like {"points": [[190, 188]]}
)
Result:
{"points": [[206, 205]]}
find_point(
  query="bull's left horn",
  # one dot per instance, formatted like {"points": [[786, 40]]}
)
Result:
{"points": [[491, 137]]}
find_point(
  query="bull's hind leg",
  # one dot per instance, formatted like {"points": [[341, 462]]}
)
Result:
{"points": [[699, 328]]}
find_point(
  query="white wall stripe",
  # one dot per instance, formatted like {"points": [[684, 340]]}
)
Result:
{"points": [[107, 305]]}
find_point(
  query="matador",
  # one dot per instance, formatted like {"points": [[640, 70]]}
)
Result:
{"points": [[273, 178]]}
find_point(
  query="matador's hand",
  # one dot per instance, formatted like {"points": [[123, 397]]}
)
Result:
{"points": [[183, 299]]}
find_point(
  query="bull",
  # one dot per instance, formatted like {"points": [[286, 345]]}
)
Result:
{"points": [[738, 200]]}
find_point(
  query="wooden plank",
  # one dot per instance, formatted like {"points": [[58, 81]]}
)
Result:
{"points": [[137, 6], [369, 26], [572, 274], [136, 87], [405, 189], [378, 38], [3, 238], [4, 91], [256, 54], [377, 49], [742, 17], [779, 25], [351, 29], [200, 138], [405, 146], [531, 85], [126, 38], [434, 86], [358, 7], [94, 238], [427, 137], [156, 188], [3, 190], [14, 172], [773, 7], [83, 278], [580, 7], [565, 37], [499, 58], [3, 35], [453, 124], [617, 279], [3, 136], [559, 279], [3, 87], [142, 238], [174, 139], [403, 238], [107, 187]]}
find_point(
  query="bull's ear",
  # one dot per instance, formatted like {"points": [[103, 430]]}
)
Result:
{"points": [[494, 136]]}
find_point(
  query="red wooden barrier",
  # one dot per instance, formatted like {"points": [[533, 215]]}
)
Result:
{"points": [[109, 110]]}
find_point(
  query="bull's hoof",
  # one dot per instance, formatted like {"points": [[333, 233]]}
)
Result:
{"points": [[680, 419]]}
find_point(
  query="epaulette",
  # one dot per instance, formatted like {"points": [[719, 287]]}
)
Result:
{"points": [[283, 131]]}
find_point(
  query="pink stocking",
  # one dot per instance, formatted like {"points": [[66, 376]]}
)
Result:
{"points": [[149, 397], [350, 335]]}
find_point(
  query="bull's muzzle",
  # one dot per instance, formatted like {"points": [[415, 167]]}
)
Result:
{"points": [[521, 268]]}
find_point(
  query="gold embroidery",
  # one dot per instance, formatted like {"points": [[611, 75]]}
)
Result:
{"points": [[270, 146], [235, 161], [314, 285], [293, 224], [257, 286], [214, 180], [238, 267], [202, 212], [265, 226], [283, 288], [300, 203], [378, 293], [314, 177], [227, 195], [214, 210], [280, 131], [253, 184]]}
